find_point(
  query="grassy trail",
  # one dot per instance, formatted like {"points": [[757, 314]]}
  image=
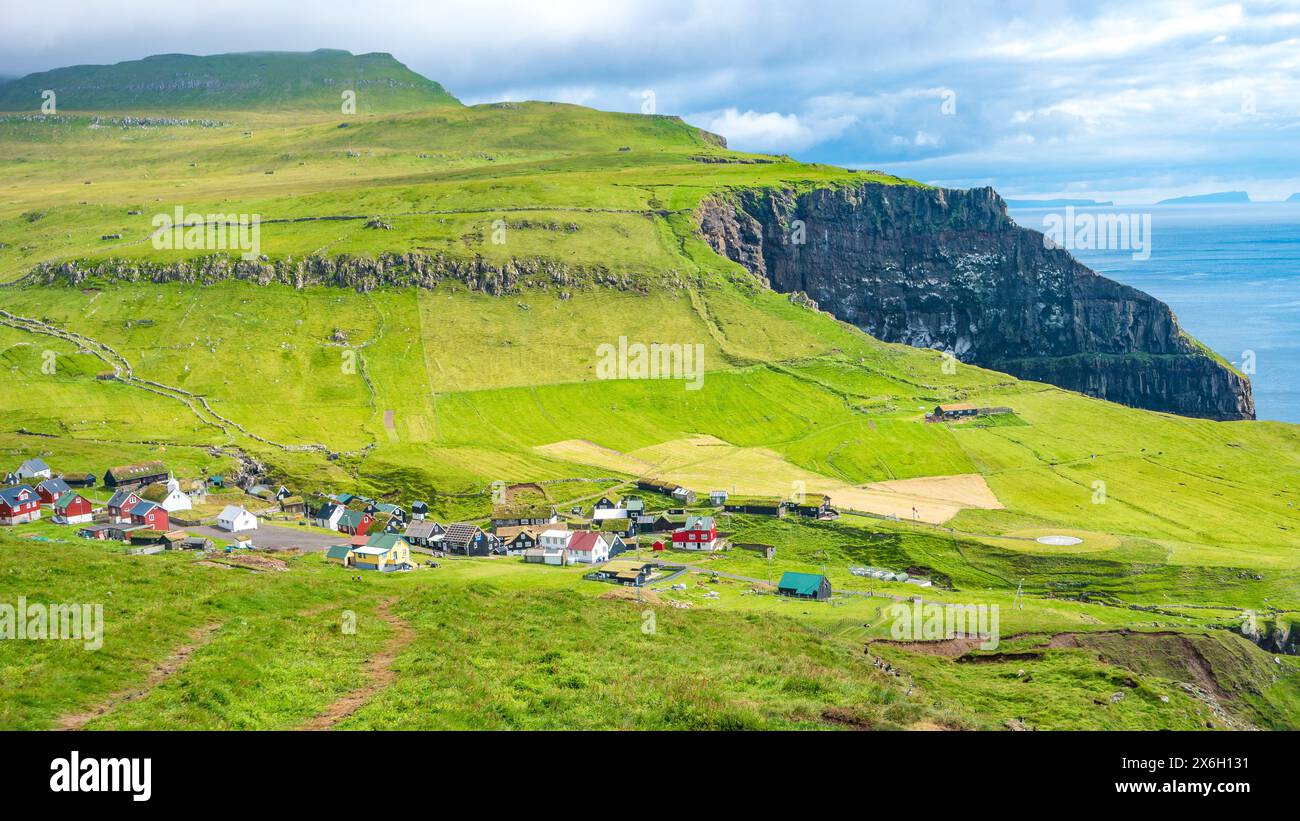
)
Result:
{"points": [[163, 671], [379, 672]]}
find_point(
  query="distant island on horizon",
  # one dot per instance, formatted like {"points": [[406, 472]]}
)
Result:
{"points": [[1058, 203], [1220, 198]]}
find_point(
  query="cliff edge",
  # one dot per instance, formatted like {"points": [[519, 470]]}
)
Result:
{"points": [[949, 269]]}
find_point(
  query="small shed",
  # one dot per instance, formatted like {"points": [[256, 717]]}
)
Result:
{"points": [[804, 586], [293, 506]]}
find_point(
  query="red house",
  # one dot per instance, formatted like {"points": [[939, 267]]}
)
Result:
{"points": [[121, 505], [73, 508], [151, 515], [50, 490], [700, 533], [18, 505], [355, 522]]}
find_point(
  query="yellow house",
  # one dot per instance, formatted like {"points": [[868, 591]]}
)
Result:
{"points": [[383, 551]]}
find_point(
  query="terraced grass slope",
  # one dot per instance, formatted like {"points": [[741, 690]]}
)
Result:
{"points": [[425, 316]]}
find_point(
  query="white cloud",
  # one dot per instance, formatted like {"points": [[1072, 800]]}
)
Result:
{"points": [[771, 131], [1116, 35], [1048, 95]]}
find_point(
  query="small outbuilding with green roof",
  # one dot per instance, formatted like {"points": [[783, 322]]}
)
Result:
{"points": [[338, 553], [804, 586]]}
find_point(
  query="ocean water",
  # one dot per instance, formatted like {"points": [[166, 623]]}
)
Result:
{"points": [[1231, 273]]}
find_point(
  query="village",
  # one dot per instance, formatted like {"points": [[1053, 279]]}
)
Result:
{"points": [[144, 508]]}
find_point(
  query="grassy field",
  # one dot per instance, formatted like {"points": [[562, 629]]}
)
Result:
{"points": [[493, 643], [441, 392], [807, 401]]}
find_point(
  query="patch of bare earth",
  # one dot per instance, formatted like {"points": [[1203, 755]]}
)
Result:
{"points": [[948, 648], [379, 673], [927, 726], [629, 594], [160, 673], [259, 563], [847, 719]]}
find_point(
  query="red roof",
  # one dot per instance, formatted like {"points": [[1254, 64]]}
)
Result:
{"points": [[584, 540]]}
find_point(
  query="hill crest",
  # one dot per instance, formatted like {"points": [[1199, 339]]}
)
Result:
{"points": [[240, 80]]}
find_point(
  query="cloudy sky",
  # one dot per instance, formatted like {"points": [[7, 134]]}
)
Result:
{"points": [[1129, 101]]}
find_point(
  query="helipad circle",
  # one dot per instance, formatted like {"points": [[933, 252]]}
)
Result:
{"points": [[1059, 541]]}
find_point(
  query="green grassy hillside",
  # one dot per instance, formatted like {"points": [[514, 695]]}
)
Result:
{"points": [[191, 643], [550, 231], [264, 79]]}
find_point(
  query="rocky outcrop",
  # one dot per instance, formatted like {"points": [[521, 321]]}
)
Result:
{"points": [[1278, 638], [949, 269], [359, 273]]}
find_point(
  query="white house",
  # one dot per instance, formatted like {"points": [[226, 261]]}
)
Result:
{"points": [[554, 545], [328, 516], [170, 496], [555, 539], [602, 514], [589, 547], [717, 498], [33, 469], [235, 518]]}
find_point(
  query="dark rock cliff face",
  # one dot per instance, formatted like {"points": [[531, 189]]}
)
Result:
{"points": [[949, 269]]}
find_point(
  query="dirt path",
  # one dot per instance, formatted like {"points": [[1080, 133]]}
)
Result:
{"points": [[165, 669], [378, 672]]}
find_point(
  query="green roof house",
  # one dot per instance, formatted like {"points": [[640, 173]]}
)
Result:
{"points": [[382, 551], [804, 586]]}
